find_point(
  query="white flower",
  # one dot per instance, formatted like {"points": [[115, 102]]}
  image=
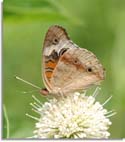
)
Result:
{"points": [[74, 116]]}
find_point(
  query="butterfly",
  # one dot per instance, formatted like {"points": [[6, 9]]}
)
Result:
{"points": [[66, 67]]}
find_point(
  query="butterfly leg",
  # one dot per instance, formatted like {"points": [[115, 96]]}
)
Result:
{"points": [[61, 94]]}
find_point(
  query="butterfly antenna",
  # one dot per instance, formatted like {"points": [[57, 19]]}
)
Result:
{"points": [[28, 92], [27, 82]]}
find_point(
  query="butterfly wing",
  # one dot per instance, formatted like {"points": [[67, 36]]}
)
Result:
{"points": [[55, 44], [67, 67], [77, 69]]}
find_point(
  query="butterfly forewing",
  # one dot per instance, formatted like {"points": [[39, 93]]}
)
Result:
{"points": [[55, 44]]}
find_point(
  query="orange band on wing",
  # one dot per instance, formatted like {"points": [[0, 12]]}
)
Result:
{"points": [[49, 67], [48, 74], [50, 64]]}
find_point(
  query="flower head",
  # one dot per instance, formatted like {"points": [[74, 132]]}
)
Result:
{"points": [[74, 116]]}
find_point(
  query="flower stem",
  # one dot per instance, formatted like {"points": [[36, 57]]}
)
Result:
{"points": [[7, 121]]}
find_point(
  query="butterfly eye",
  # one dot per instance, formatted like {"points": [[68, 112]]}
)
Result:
{"points": [[55, 41], [89, 69]]}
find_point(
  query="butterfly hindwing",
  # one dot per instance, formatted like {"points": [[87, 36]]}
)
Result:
{"points": [[77, 69]]}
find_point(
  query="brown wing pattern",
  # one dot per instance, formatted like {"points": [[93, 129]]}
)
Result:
{"points": [[55, 45], [77, 69], [54, 35]]}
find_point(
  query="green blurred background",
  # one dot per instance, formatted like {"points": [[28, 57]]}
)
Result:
{"points": [[97, 25]]}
